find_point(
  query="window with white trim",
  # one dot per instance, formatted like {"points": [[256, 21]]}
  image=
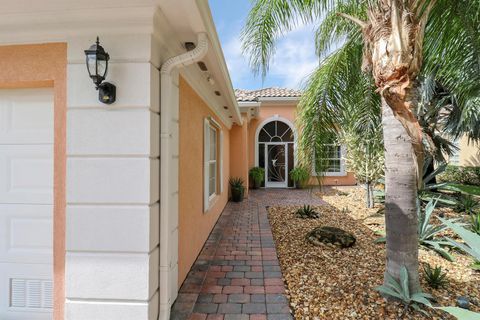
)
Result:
{"points": [[332, 162], [213, 140], [455, 157]]}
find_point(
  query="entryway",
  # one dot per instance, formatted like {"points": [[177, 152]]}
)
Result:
{"points": [[26, 204], [275, 152]]}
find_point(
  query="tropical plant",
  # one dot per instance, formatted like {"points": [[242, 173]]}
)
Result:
{"points": [[307, 212], [390, 45], [472, 240], [364, 158], [258, 175], [400, 290], [300, 176], [427, 232], [471, 247], [435, 277], [466, 204], [237, 188], [475, 222]]}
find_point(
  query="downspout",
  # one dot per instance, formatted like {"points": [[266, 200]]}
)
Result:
{"points": [[169, 146]]}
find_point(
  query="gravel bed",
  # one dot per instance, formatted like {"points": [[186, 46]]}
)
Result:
{"points": [[329, 283]]}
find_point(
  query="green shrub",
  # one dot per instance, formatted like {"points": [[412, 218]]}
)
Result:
{"points": [[462, 175], [258, 175], [307, 212], [300, 176], [435, 277]]}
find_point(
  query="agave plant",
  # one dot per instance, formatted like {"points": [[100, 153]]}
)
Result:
{"points": [[401, 291], [427, 231], [471, 247], [475, 223]]}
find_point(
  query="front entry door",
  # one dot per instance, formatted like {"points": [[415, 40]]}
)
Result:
{"points": [[276, 155]]}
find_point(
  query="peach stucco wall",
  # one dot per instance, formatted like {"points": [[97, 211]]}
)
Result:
{"points": [[239, 152], [35, 66], [194, 224], [286, 111]]}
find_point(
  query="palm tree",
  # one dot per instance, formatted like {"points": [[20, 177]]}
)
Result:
{"points": [[387, 39]]}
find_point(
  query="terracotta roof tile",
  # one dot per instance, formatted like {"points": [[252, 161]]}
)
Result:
{"points": [[253, 95]]}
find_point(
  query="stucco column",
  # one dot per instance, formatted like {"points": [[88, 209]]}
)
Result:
{"points": [[112, 236], [239, 151]]}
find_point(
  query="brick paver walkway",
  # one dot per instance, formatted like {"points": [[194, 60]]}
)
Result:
{"points": [[237, 275]]}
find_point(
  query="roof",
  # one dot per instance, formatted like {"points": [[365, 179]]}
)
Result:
{"points": [[274, 92]]}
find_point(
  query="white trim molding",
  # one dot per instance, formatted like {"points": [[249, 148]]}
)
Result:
{"points": [[343, 168]]}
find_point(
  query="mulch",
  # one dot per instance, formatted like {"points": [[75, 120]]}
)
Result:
{"points": [[325, 282]]}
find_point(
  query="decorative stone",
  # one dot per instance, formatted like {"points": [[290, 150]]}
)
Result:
{"points": [[463, 302], [331, 235]]}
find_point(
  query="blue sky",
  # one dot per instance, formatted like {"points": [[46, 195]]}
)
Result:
{"points": [[295, 58]]}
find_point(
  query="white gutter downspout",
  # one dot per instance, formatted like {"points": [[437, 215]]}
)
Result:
{"points": [[169, 155]]}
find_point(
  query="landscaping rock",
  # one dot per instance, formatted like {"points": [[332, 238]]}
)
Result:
{"points": [[331, 235], [463, 302]]}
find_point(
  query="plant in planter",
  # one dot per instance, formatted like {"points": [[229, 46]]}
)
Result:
{"points": [[237, 188], [300, 176], [258, 175]]}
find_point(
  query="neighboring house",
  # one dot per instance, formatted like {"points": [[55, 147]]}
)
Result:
{"points": [[104, 208], [467, 155], [270, 115]]}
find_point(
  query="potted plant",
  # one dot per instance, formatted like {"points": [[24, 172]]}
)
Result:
{"points": [[258, 175], [300, 176], [237, 188]]}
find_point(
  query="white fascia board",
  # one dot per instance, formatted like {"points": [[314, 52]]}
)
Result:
{"points": [[58, 26], [220, 58]]}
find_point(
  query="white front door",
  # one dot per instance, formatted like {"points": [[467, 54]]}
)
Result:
{"points": [[26, 204], [276, 165]]}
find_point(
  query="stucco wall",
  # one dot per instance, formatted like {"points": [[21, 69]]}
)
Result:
{"points": [[194, 224], [469, 153], [39, 66], [287, 111], [239, 152]]}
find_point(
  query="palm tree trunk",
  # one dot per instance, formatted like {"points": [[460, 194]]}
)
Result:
{"points": [[400, 199]]}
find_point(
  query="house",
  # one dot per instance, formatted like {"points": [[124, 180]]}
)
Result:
{"points": [[109, 190], [270, 115]]}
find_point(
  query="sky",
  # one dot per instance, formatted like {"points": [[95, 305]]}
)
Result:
{"points": [[295, 55]]}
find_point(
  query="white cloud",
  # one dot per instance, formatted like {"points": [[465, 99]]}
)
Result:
{"points": [[294, 60]]}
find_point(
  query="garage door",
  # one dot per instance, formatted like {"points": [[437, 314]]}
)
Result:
{"points": [[26, 204]]}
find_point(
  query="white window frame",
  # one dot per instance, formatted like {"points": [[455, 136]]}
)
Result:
{"points": [[343, 169], [209, 199], [454, 159]]}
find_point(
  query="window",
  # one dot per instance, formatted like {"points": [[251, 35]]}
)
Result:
{"points": [[332, 162], [455, 157], [213, 139]]}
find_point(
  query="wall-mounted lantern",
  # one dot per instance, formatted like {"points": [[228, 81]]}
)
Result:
{"points": [[97, 66]]}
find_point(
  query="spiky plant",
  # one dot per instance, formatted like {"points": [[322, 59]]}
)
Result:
{"points": [[466, 204], [427, 232], [435, 276], [307, 212], [400, 290]]}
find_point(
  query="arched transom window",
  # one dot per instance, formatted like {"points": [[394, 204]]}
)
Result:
{"points": [[276, 131]]}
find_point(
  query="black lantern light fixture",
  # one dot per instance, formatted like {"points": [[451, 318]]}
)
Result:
{"points": [[97, 66]]}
